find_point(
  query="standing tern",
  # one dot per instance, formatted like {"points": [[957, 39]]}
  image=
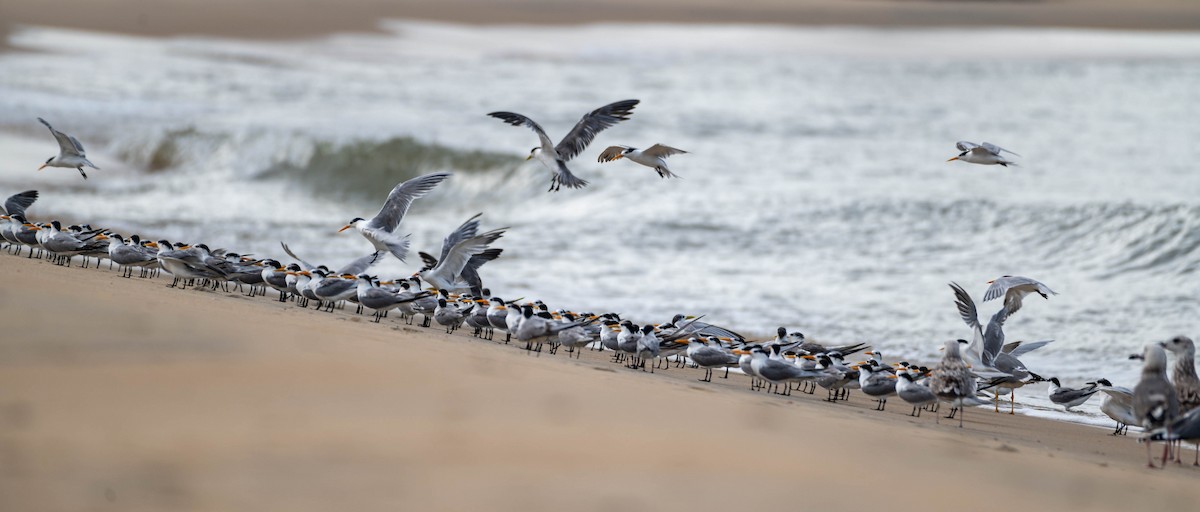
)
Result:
{"points": [[654, 157], [984, 154], [381, 229], [1070, 397], [555, 157], [1015, 288], [71, 154], [1117, 404], [710, 356], [1154, 402]]}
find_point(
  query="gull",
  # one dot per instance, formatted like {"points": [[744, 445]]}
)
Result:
{"points": [[70, 153], [1154, 402], [1184, 428], [1015, 288], [381, 229], [1117, 404], [555, 157], [951, 380], [654, 157], [985, 154], [1187, 385], [1069, 397]]}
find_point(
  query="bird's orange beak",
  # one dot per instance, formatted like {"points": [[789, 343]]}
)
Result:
{"points": [[43, 166], [952, 159], [347, 226]]}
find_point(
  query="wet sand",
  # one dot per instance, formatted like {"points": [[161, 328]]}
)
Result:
{"points": [[123, 394], [290, 19]]}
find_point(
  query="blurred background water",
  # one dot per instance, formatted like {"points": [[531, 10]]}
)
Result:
{"points": [[815, 195]]}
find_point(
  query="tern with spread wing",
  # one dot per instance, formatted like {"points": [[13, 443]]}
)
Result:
{"points": [[71, 154], [984, 154], [555, 157], [380, 230], [654, 157], [1015, 288]]}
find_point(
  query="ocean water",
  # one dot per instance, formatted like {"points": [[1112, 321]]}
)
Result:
{"points": [[815, 195]]}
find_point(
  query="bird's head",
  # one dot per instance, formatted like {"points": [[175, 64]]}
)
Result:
{"points": [[353, 222], [781, 332], [533, 153]]}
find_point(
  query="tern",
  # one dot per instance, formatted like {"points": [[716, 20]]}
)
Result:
{"points": [[15, 205], [556, 157], [1070, 397], [916, 394], [709, 356], [449, 275], [984, 154], [71, 154], [381, 229], [1117, 404], [654, 157], [1015, 288]]}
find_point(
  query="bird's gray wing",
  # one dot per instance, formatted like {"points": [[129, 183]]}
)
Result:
{"points": [[470, 273], [661, 151], [993, 337], [966, 306], [611, 153], [402, 197], [361, 265], [1121, 394], [65, 144], [465, 231], [288, 250], [1020, 348], [17, 203], [516, 119], [428, 261], [995, 150], [963, 145], [997, 289], [75, 142], [591, 124], [458, 256]]}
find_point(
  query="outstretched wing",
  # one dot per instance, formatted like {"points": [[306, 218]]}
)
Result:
{"points": [[66, 144], [516, 119], [1020, 348], [995, 150], [465, 231], [458, 256], [661, 151], [591, 124], [427, 260], [307, 265], [966, 306], [361, 265], [993, 337], [401, 198], [17, 203], [611, 153]]}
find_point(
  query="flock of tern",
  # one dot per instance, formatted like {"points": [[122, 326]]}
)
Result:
{"points": [[449, 291]]}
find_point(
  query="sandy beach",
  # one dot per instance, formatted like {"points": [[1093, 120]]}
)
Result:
{"points": [[286, 19], [126, 394]]}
